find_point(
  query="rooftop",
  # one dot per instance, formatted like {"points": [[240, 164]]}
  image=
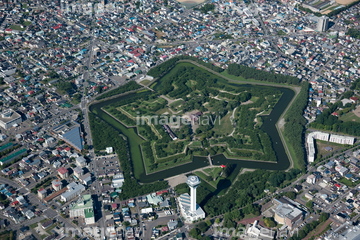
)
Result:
{"points": [[9, 115], [62, 170]]}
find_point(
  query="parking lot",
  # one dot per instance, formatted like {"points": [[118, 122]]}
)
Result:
{"points": [[107, 166]]}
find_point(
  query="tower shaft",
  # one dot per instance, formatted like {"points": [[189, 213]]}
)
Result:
{"points": [[193, 199]]}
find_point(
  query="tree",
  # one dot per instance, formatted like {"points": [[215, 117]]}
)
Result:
{"points": [[269, 222], [207, 7], [348, 94], [195, 233], [291, 195], [202, 226], [324, 216], [310, 205]]}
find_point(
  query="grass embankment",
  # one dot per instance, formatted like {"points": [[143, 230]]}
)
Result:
{"points": [[240, 79]]}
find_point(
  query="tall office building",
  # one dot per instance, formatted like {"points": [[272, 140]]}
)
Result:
{"points": [[322, 24]]}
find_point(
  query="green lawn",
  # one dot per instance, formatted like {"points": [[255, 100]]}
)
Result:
{"points": [[224, 127], [145, 82], [17, 27], [27, 23], [204, 177], [350, 117], [176, 105], [212, 175], [191, 83], [163, 111], [172, 161], [304, 198], [34, 225], [348, 182], [213, 172], [195, 144]]}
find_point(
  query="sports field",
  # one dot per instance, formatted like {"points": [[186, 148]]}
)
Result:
{"points": [[343, 2]]}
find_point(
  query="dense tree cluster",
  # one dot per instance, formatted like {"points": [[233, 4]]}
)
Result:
{"points": [[180, 76], [295, 125], [146, 132], [147, 151], [353, 32], [328, 122], [65, 87], [355, 85], [165, 67], [167, 149], [130, 86], [208, 7], [252, 73], [248, 188]]}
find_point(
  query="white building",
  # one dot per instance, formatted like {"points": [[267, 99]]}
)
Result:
{"points": [[80, 161], [154, 199], [342, 139], [311, 179], [9, 118], [86, 179], [310, 142], [190, 210], [118, 180], [109, 150], [322, 24], [342, 170], [78, 172], [255, 231], [73, 191]]}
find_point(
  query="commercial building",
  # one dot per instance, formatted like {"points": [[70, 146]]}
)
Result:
{"points": [[9, 118], [70, 132], [73, 191], [322, 24], [255, 231], [118, 180], [84, 208], [190, 210], [154, 199], [288, 215]]}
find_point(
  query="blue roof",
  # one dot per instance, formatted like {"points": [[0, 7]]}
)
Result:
{"points": [[73, 137]]}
